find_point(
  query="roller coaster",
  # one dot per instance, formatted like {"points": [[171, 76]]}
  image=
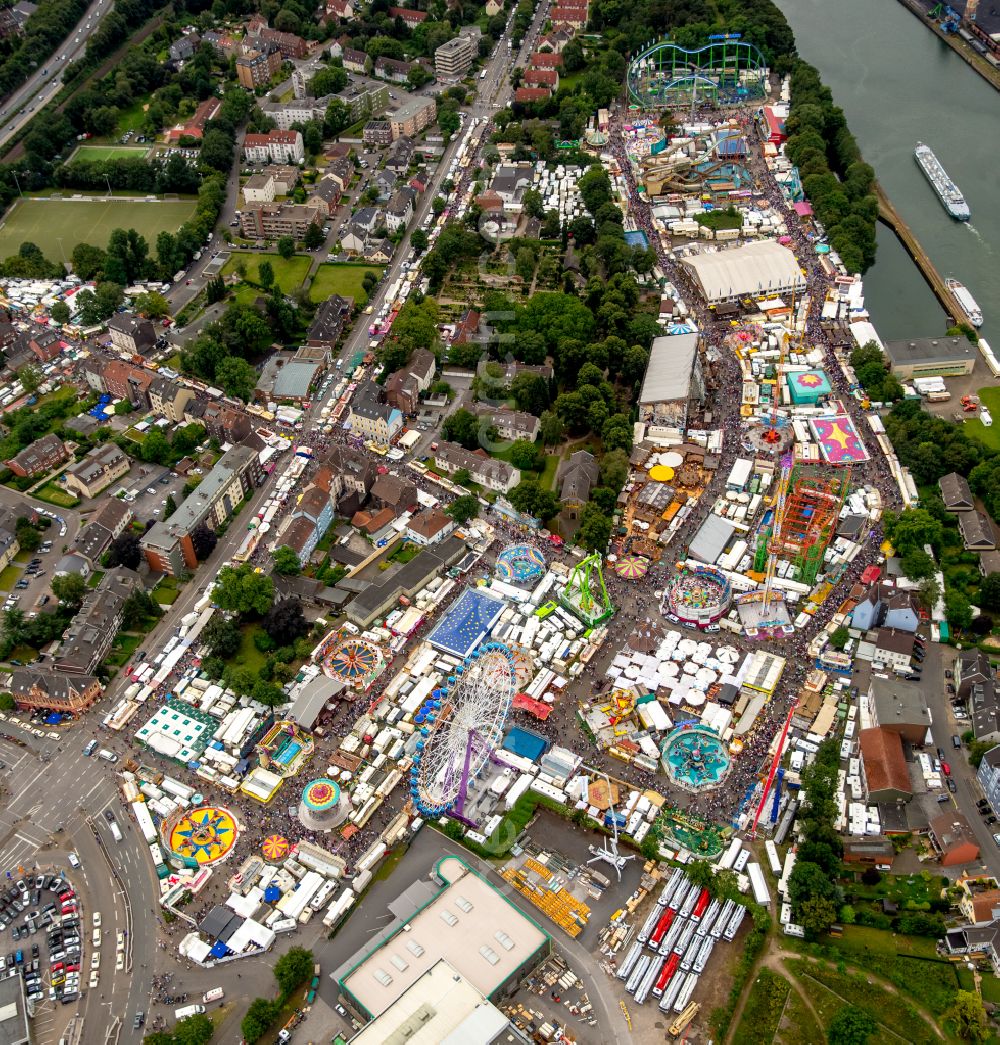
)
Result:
{"points": [[725, 71]]}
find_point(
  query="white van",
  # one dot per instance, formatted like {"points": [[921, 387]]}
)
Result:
{"points": [[108, 756], [116, 831]]}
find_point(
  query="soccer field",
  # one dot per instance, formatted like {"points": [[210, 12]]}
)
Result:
{"points": [[44, 222], [109, 152]]}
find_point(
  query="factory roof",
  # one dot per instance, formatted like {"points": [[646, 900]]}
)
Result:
{"points": [[711, 538], [929, 350]]}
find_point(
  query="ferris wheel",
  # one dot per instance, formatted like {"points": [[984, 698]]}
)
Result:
{"points": [[461, 725]]}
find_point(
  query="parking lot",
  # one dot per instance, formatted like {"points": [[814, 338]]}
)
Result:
{"points": [[27, 583], [147, 489]]}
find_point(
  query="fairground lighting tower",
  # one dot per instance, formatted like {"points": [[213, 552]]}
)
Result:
{"points": [[604, 854]]}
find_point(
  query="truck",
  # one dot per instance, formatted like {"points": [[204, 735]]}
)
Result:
{"points": [[215, 994], [188, 1010]]}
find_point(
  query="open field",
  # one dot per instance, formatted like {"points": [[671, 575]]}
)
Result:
{"points": [[288, 274], [109, 152], [45, 222], [341, 279], [990, 398]]}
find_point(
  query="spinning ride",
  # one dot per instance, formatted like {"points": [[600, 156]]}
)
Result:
{"points": [[355, 662], [699, 594], [695, 757], [200, 836], [585, 595], [520, 564], [461, 729]]}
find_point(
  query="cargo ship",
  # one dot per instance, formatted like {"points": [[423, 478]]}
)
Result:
{"points": [[965, 301], [948, 192]]}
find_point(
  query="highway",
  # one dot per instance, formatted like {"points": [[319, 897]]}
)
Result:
{"points": [[39, 89]]}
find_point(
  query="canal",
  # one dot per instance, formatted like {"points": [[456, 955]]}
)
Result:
{"points": [[898, 84]]}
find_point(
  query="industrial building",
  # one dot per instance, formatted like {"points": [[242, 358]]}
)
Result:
{"points": [[931, 357]]}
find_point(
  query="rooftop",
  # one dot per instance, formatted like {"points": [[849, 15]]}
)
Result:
{"points": [[925, 350], [668, 372]]}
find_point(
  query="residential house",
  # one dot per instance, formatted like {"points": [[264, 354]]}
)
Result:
{"points": [[97, 470], [316, 509], [894, 648], [400, 155], [184, 48], [372, 419], [410, 16], [977, 532], [984, 711], [258, 188], [167, 545], [274, 147], [195, 127], [568, 17], [972, 667], [390, 491], [43, 343], [412, 117], [340, 171], [899, 707], [556, 40], [400, 209], [429, 526], [329, 321], [39, 457], [337, 151], [379, 252], [883, 766], [289, 45], [384, 183], [222, 421], [578, 477], [511, 180], [392, 70], [300, 535], [284, 175], [469, 328], [52, 691], [511, 424], [403, 388], [367, 218], [546, 60], [287, 379], [121, 380], [541, 78], [354, 475], [980, 901], [168, 399], [989, 562], [92, 632], [9, 544], [377, 525], [354, 61], [988, 776], [885, 606], [493, 7], [342, 10], [953, 839], [327, 194], [353, 239], [131, 335], [95, 538], [955, 493], [482, 469], [531, 95]]}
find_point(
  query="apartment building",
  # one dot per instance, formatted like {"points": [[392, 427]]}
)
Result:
{"points": [[412, 117], [274, 147], [39, 457], [374, 420], [167, 545], [453, 58], [91, 634], [97, 470], [258, 68], [131, 335], [273, 220], [482, 469]]}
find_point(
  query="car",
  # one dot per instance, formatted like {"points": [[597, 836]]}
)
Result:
{"points": [[981, 803], [991, 820], [945, 768], [948, 673], [996, 839], [952, 786], [96, 919], [138, 1020], [109, 816], [74, 860]]}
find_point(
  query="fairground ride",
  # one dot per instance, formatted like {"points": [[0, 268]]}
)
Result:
{"points": [[725, 71], [462, 731], [585, 595]]}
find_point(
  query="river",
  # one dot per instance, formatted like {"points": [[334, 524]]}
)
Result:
{"points": [[898, 84]]}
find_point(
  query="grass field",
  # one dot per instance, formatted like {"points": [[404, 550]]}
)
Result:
{"points": [[288, 274], [341, 279], [46, 222], [8, 577], [55, 494], [109, 152], [990, 398]]}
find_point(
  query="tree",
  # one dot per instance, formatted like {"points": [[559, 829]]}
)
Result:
{"points": [[989, 592], [851, 1026], [418, 240], [595, 529], [838, 640], [30, 378], [912, 529], [969, 1017], [552, 428], [817, 914], [88, 261], [462, 427], [463, 508], [293, 968], [699, 873], [286, 562], [524, 454], [69, 588], [237, 378], [137, 607], [222, 637], [242, 590], [170, 506], [203, 540], [261, 1014], [265, 274], [152, 305], [124, 551], [60, 313], [438, 205], [285, 622], [957, 608], [314, 236], [286, 247], [918, 565], [193, 1030]]}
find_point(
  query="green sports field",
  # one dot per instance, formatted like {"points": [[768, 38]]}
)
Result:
{"points": [[109, 152], [45, 222]]}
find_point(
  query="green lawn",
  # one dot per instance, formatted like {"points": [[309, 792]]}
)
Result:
{"points": [[8, 577], [288, 274], [990, 398], [47, 222], [110, 152], [53, 493], [165, 592], [341, 279], [248, 656], [763, 1009], [548, 477]]}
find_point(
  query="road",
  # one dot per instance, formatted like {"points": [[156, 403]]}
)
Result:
{"points": [[19, 107]]}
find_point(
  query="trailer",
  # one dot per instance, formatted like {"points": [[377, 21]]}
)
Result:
{"points": [[772, 857], [722, 923], [685, 995], [637, 974], [666, 975], [701, 905], [628, 962], [708, 920], [646, 984], [759, 885], [666, 919], [649, 925], [735, 922]]}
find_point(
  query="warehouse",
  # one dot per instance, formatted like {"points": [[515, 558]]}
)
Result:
{"points": [[751, 270], [931, 357]]}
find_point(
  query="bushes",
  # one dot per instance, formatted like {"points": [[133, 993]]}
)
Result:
{"points": [[763, 1009], [722, 1015]]}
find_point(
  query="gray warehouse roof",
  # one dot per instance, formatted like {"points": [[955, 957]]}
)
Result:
{"points": [[668, 373], [711, 539]]}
